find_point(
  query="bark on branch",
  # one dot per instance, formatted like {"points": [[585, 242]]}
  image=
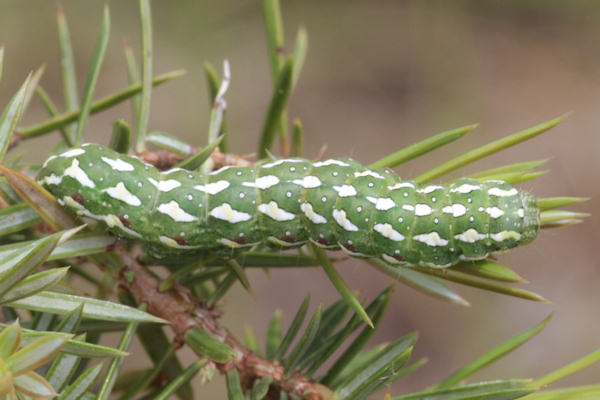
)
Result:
{"points": [[183, 312]]}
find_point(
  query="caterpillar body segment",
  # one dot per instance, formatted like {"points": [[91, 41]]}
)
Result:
{"points": [[336, 203]]}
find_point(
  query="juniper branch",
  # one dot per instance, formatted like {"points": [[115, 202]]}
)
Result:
{"points": [[179, 308]]}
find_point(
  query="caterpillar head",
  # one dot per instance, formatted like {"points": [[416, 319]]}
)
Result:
{"points": [[531, 217], [98, 183]]}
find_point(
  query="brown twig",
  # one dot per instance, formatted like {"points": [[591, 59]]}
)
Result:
{"points": [[179, 307], [165, 159]]}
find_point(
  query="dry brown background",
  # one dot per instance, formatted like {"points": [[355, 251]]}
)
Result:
{"points": [[380, 75]]}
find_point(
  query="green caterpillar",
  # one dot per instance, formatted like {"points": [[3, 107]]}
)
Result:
{"points": [[335, 204]]}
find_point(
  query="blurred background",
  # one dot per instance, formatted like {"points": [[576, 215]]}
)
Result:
{"points": [[378, 76]]}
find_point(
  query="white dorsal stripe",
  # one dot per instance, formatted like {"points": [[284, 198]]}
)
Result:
{"points": [[465, 188], [166, 185], [494, 212], [345, 190], [118, 165], [226, 213], [272, 210], [340, 217], [279, 162], [315, 218], [79, 175], [48, 160], [432, 239], [502, 193], [72, 153], [213, 187], [457, 210], [422, 210], [470, 236], [264, 182], [430, 188], [402, 185], [308, 182], [120, 192], [382, 203], [386, 230], [330, 162], [368, 172], [173, 210], [173, 170]]}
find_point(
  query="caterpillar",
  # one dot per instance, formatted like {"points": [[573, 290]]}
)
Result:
{"points": [[336, 204]]}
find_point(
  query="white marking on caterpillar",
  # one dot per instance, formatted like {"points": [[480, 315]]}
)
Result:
{"points": [[226, 213], [165, 186], [68, 200], [315, 218], [218, 171], [433, 265], [272, 210], [471, 236], [113, 220], [118, 165], [172, 170], [391, 260], [172, 243], [368, 173], [502, 193], [408, 207], [280, 242], [465, 188], [429, 189], [382, 203], [279, 162], [110, 220], [264, 182], [431, 239], [350, 252], [52, 179], [462, 257], [173, 210], [343, 221], [120, 192], [504, 235], [79, 175], [321, 245], [229, 243], [494, 212], [422, 210], [386, 230], [214, 187], [48, 160], [345, 190], [401, 185], [457, 210], [521, 212], [72, 153], [330, 162], [308, 182]]}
